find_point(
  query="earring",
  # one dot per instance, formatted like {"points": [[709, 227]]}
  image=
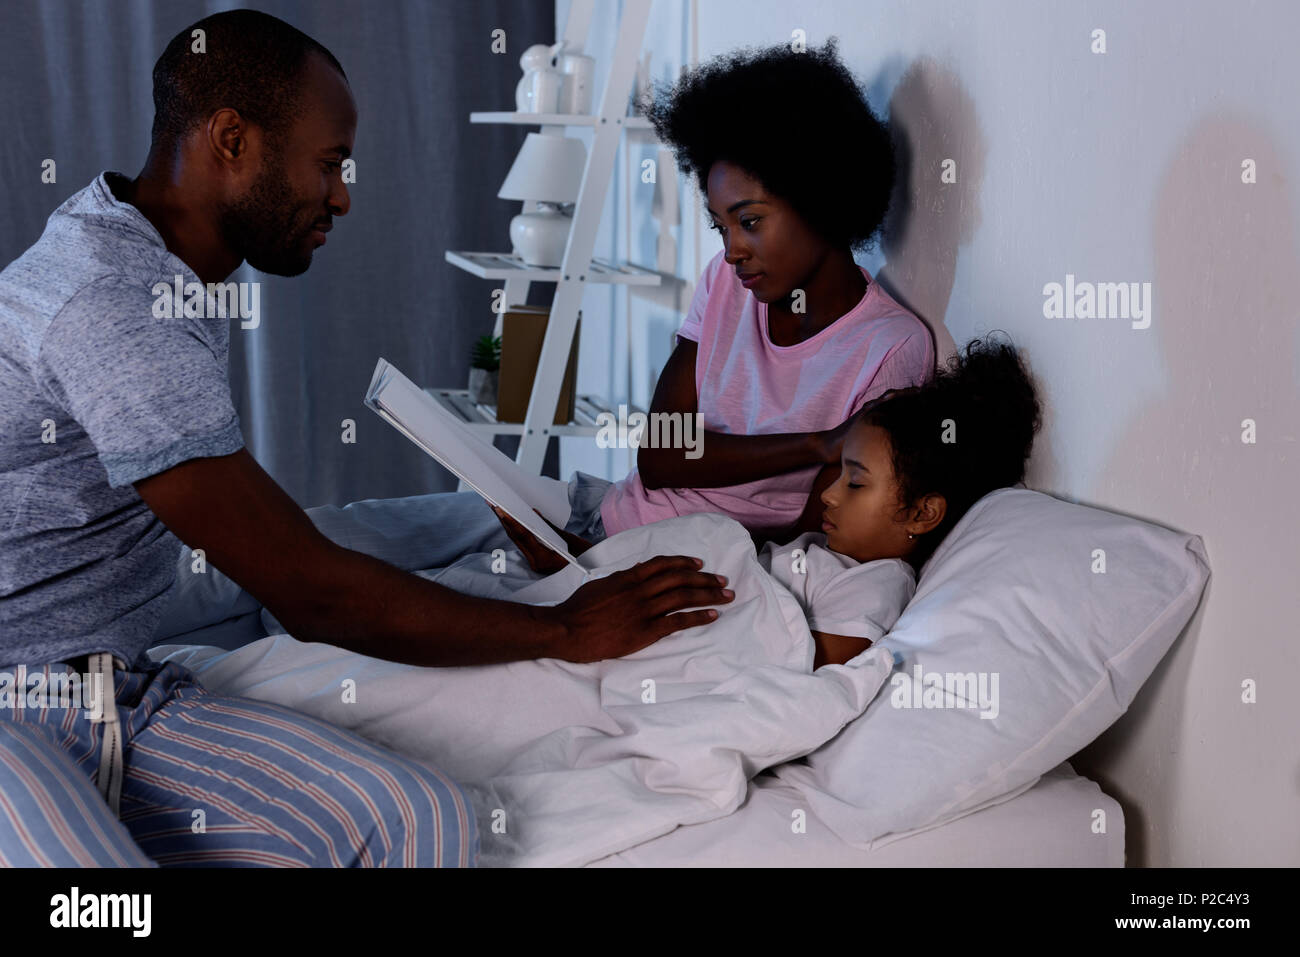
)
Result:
{"points": [[910, 535]]}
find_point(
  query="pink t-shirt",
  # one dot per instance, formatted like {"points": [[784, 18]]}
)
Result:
{"points": [[746, 385]]}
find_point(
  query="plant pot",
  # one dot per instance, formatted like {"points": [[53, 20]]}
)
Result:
{"points": [[483, 386]]}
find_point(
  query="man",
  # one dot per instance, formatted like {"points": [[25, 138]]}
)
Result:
{"points": [[119, 441]]}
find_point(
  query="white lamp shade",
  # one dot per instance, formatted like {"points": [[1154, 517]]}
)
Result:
{"points": [[548, 169]]}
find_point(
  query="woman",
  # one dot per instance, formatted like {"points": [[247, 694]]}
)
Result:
{"points": [[787, 337]]}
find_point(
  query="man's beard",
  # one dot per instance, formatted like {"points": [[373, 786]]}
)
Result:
{"points": [[263, 227]]}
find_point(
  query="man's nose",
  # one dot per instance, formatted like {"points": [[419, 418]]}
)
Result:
{"points": [[340, 201]]}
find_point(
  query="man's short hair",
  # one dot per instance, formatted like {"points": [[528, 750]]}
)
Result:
{"points": [[253, 63]]}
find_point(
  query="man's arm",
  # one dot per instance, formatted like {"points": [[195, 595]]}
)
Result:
{"points": [[258, 536]]}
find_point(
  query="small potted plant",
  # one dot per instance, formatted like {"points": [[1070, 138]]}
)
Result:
{"points": [[484, 368]]}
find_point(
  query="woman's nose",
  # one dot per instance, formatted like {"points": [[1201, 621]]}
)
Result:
{"points": [[735, 253]]}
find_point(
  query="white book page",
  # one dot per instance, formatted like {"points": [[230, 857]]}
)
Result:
{"points": [[482, 466]]}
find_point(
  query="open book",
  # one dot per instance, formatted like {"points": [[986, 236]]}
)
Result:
{"points": [[482, 466]]}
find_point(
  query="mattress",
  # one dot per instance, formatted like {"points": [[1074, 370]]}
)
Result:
{"points": [[1049, 825]]}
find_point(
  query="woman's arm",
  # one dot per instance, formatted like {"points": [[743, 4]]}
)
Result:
{"points": [[810, 520], [727, 459]]}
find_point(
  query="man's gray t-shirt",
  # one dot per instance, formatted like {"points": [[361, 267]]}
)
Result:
{"points": [[97, 393]]}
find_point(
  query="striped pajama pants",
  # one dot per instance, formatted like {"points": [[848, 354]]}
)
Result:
{"points": [[212, 780]]}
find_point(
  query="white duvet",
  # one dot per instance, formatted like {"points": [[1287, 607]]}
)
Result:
{"points": [[568, 763]]}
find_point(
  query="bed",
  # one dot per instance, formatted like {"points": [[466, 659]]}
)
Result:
{"points": [[1048, 823], [747, 756]]}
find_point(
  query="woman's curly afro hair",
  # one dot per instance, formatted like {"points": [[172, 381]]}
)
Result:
{"points": [[797, 122]]}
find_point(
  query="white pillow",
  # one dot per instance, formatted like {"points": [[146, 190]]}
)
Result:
{"points": [[1015, 589]]}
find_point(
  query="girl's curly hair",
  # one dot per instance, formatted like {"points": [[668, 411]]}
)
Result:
{"points": [[797, 122], [987, 402]]}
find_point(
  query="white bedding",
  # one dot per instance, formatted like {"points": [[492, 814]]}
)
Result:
{"points": [[1052, 824], [587, 760]]}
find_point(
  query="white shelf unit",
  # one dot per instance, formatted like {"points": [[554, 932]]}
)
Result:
{"points": [[578, 267], [557, 119], [508, 266], [483, 418]]}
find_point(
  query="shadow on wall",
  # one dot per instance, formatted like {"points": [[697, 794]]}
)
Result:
{"points": [[1225, 260], [937, 131], [933, 120]]}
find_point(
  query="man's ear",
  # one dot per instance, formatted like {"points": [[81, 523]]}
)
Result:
{"points": [[226, 135], [235, 146]]}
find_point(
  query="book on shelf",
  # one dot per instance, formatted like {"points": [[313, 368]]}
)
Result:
{"points": [[523, 330]]}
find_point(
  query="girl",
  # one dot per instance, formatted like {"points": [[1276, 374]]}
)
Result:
{"points": [[786, 337], [911, 466]]}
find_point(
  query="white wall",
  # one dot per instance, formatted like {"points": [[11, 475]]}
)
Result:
{"points": [[1115, 167]]}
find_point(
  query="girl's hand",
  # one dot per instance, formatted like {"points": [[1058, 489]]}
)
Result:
{"points": [[541, 558]]}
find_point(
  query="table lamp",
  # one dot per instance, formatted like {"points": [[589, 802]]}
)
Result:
{"points": [[548, 171]]}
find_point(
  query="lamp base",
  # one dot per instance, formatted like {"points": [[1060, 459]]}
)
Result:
{"points": [[541, 236]]}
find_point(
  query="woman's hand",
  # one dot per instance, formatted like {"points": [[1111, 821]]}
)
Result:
{"points": [[831, 442], [541, 558]]}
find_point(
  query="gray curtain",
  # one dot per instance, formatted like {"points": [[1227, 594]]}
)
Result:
{"points": [[75, 87]]}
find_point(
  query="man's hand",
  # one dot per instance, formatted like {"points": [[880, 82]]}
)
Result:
{"points": [[628, 610]]}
